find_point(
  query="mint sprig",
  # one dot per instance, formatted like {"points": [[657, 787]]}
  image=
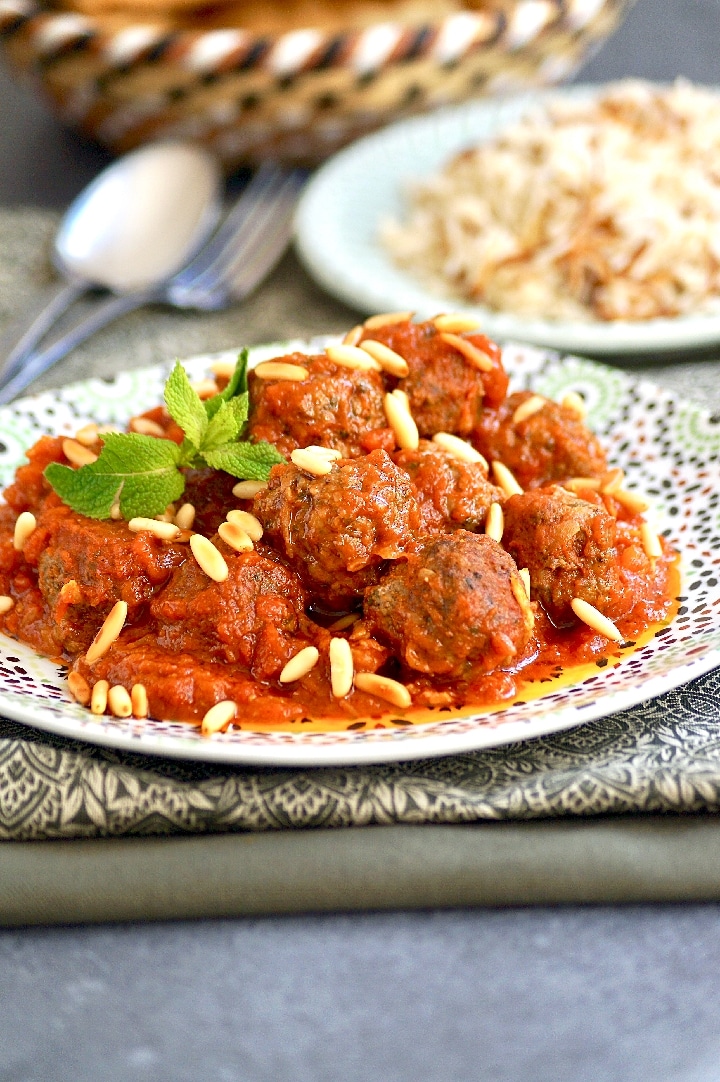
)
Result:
{"points": [[144, 474]]}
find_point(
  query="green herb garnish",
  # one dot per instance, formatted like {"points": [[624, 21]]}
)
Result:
{"points": [[144, 474]]}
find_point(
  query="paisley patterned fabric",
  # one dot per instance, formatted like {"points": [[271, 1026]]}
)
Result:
{"points": [[662, 756]]}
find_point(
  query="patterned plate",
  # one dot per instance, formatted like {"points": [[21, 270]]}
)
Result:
{"points": [[670, 450]]}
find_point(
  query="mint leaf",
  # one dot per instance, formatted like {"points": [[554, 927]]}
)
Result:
{"points": [[237, 386], [185, 407], [248, 461], [141, 471], [222, 428]]}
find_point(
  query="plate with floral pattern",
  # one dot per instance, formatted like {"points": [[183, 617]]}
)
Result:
{"points": [[670, 451]]}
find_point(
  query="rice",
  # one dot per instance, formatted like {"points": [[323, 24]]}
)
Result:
{"points": [[605, 208]]}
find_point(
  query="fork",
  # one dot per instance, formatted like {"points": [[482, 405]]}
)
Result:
{"points": [[244, 249]]}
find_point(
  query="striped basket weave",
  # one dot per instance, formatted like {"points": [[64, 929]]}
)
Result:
{"points": [[297, 96]]}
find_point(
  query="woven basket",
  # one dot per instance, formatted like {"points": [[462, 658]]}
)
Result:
{"points": [[297, 96]]}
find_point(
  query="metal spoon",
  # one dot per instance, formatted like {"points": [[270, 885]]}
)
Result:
{"points": [[135, 225]]}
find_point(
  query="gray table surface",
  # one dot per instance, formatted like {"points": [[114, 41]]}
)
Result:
{"points": [[565, 995]]}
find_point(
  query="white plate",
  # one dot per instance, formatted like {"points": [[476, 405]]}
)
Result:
{"points": [[342, 207], [670, 449]]}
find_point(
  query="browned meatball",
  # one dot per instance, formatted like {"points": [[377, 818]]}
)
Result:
{"points": [[335, 406], [452, 495], [552, 444], [446, 392], [254, 618], [458, 604], [339, 530], [568, 546]]}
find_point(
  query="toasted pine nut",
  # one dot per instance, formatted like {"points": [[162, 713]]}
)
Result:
{"points": [[631, 500], [139, 700], [650, 541], [24, 526], [248, 490], [525, 576], [87, 435], [6, 603], [476, 357], [505, 479], [521, 595], [401, 421], [330, 453], [311, 462], [382, 687], [495, 522], [352, 357], [387, 358], [209, 558], [456, 323], [79, 688], [595, 619], [385, 319], [611, 481], [185, 516], [281, 370], [344, 622], [300, 665], [166, 531], [526, 409], [459, 449], [354, 335], [247, 522], [223, 369], [218, 717], [70, 593], [341, 667], [205, 388], [108, 633], [402, 396], [234, 536], [144, 426], [577, 484], [575, 402], [77, 454], [99, 697], [119, 701]]}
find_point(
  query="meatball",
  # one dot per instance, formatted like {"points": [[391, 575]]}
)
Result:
{"points": [[339, 530], [457, 604], [568, 546], [254, 618], [551, 444], [446, 392], [452, 494], [335, 406]]}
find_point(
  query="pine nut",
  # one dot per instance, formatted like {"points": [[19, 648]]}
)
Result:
{"points": [[353, 336], [24, 527], [205, 388], [476, 357], [352, 357], [330, 453], [306, 460], [595, 619], [247, 522], [209, 558], [506, 480], [281, 370], [630, 500], [495, 522], [76, 454], [577, 484], [611, 480], [341, 667], [108, 633], [70, 593], [459, 449], [185, 517], [521, 595], [300, 665], [144, 426], [6, 603], [165, 531], [575, 402], [234, 536], [248, 490], [402, 396], [223, 369], [218, 717], [386, 319], [456, 323], [525, 577], [527, 408], [87, 435], [650, 541], [382, 687], [344, 622], [401, 421], [99, 697], [387, 358], [119, 701], [79, 688], [139, 700]]}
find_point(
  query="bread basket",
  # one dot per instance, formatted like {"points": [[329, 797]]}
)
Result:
{"points": [[296, 95]]}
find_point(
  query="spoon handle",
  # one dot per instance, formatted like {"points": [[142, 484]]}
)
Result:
{"points": [[20, 340], [15, 381]]}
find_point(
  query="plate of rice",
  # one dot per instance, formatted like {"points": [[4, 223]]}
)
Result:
{"points": [[585, 219]]}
